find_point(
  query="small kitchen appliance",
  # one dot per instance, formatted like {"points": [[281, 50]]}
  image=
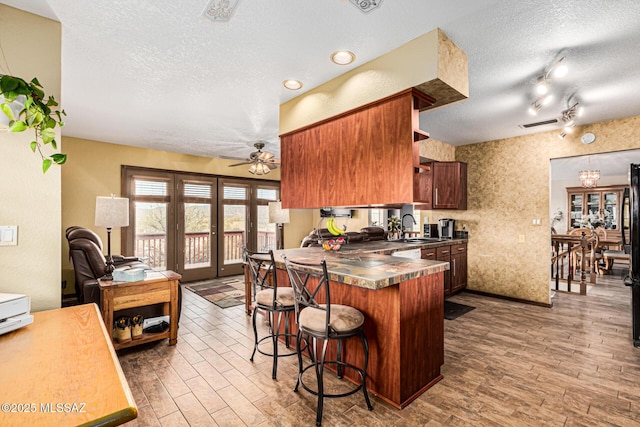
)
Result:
{"points": [[430, 230], [446, 228]]}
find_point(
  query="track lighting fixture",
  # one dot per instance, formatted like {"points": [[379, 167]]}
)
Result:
{"points": [[539, 103], [556, 71], [568, 118]]}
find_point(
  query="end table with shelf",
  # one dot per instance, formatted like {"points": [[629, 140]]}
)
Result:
{"points": [[156, 287]]}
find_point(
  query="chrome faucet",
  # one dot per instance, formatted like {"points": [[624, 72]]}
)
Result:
{"points": [[402, 222]]}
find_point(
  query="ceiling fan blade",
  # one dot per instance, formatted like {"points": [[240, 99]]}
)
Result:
{"points": [[240, 164]]}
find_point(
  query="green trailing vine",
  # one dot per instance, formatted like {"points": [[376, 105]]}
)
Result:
{"points": [[37, 113]]}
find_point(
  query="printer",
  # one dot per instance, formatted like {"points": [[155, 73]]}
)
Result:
{"points": [[14, 312]]}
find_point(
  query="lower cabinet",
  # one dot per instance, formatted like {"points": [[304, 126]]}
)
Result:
{"points": [[455, 279], [458, 267]]}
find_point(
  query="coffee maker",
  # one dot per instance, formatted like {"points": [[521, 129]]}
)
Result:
{"points": [[446, 228]]}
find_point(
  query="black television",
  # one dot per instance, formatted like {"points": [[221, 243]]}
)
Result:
{"points": [[338, 213]]}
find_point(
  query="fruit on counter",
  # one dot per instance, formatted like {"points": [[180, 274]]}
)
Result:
{"points": [[326, 246], [340, 240], [333, 228], [336, 247]]}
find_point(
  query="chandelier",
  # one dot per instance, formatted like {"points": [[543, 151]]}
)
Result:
{"points": [[589, 178]]}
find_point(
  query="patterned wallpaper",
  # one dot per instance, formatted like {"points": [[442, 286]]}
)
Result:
{"points": [[508, 186]]}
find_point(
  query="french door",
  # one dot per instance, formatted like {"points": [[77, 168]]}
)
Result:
{"points": [[244, 210], [196, 227], [196, 224]]}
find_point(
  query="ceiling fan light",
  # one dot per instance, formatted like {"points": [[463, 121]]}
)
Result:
{"points": [[292, 84], [253, 169], [343, 57], [546, 100]]}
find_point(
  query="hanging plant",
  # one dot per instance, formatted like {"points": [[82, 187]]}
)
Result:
{"points": [[27, 107]]}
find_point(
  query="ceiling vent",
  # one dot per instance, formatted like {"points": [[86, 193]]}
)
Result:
{"points": [[220, 10], [532, 125], [366, 6]]}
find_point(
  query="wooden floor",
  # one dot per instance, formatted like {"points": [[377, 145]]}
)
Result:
{"points": [[506, 364]]}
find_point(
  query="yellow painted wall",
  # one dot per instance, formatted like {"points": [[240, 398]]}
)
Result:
{"points": [[94, 169], [508, 186], [29, 198]]}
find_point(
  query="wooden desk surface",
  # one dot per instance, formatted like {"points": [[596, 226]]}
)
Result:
{"points": [[61, 371]]}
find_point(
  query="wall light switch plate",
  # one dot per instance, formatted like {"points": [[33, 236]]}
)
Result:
{"points": [[8, 235]]}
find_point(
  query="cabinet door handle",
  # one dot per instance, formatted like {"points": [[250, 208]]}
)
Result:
{"points": [[436, 196], [454, 266]]}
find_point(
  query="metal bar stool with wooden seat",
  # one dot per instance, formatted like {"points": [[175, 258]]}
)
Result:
{"points": [[276, 301], [318, 319]]}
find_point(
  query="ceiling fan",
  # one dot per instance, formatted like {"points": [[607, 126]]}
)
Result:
{"points": [[261, 161]]}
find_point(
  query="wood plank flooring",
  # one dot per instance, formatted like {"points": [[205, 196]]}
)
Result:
{"points": [[506, 364]]}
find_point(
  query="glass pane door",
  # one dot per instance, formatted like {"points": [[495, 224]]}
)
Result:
{"points": [[234, 227], [266, 233], [610, 210], [576, 210], [593, 204], [197, 229]]}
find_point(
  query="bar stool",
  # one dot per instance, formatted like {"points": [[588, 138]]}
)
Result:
{"points": [[276, 301], [321, 320]]}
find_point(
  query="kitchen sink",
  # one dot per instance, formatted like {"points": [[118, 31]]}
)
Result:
{"points": [[422, 240]]}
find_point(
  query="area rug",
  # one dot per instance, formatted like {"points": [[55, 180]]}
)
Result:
{"points": [[453, 310], [224, 292]]}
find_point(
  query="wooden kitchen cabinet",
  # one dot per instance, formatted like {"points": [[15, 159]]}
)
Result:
{"points": [[429, 253], [362, 157], [455, 279], [449, 185], [443, 253], [458, 267], [441, 185]]}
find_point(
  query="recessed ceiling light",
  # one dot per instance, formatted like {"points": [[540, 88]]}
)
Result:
{"points": [[343, 57], [292, 84]]}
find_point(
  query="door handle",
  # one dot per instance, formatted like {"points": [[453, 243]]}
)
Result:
{"points": [[436, 202], [454, 267]]}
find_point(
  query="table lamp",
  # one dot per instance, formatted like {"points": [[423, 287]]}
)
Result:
{"points": [[111, 212], [278, 216]]}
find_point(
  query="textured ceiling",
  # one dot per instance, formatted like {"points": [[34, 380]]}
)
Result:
{"points": [[158, 74]]}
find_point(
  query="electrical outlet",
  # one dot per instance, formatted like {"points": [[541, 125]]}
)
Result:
{"points": [[521, 238]]}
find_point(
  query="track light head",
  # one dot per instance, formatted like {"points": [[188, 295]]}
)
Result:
{"points": [[542, 87]]}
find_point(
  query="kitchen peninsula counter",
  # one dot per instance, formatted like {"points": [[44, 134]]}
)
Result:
{"points": [[363, 269], [403, 303]]}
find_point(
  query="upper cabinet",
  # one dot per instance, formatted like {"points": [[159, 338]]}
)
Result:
{"points": [[366, 156], [441, 185], [449, 185]]}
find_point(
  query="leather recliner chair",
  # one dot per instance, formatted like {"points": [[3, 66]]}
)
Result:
{"points": [[89, 264]]}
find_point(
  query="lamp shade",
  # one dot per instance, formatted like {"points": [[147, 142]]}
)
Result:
{"points": [[112, 212], [277, 215]]}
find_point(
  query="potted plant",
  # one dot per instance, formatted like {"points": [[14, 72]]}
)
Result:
{"points": [[27, 107]]}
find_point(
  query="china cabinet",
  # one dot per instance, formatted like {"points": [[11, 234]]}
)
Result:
{"points": [[600, 202]]}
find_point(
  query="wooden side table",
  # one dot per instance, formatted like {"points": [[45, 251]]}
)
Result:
{"points": [[157, 287]]}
